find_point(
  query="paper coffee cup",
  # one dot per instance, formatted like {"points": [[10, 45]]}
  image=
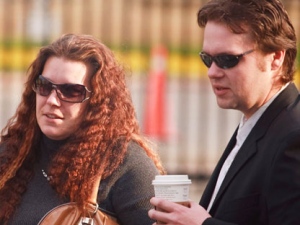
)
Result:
{"points": [[174, 188]]}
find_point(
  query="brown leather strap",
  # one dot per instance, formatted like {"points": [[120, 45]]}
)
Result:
{"points": [[94, 193]]}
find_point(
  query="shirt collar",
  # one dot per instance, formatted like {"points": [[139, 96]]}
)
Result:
{"points": [[254, 118]]}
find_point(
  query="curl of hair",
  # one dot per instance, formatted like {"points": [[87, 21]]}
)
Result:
{"points": [[266, 20], [97, 148]]}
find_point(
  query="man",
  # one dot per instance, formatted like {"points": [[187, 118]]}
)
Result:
{"points": [[250, 49]]}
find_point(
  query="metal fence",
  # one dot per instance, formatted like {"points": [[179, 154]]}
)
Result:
{"points": [[195, 130]]}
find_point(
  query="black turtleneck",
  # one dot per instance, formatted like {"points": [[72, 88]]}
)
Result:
{"points": [[125, 193], [39, 197]]}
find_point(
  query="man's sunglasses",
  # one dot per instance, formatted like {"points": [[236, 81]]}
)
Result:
{"points": [[74, 93], [224, 61]]}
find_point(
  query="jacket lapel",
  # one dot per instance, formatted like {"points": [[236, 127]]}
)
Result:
{"points": [[205, 199], [248, 149]]}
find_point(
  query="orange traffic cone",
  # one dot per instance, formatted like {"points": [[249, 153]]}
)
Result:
{"points": [[154, 120]]}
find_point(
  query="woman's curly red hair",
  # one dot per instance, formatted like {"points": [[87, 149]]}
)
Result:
{"points": [[97, 148]]}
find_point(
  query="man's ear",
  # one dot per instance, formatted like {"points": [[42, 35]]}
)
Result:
{"points": [[277, 60]]}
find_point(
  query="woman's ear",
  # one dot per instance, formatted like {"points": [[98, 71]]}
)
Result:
{"points": [[277, 60]]}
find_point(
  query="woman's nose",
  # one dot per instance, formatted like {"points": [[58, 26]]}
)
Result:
{"points": [[53, 98]]}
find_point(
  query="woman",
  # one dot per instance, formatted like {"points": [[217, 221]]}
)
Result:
{"points": [[76, 122]]}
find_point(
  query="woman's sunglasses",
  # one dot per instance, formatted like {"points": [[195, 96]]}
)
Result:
{"points": [[224, 61], [74, 93]]}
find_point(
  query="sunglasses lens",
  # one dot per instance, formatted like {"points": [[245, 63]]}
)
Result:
{"points": [[226, 61], [207, 59], [42, 86], [72, 92]]}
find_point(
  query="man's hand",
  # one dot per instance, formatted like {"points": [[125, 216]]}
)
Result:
{"points": [[175, 214]]}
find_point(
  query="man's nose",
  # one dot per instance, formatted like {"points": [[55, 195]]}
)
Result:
{"points": [[214, 71]]}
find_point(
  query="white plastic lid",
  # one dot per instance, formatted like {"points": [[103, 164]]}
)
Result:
{"points": [[171, 180]]}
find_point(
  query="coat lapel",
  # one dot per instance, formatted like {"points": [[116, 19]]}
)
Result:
{"points": [[248, 149], [205, 199]]}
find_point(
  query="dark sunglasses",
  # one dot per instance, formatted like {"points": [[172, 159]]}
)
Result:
{"points": [[74, 93], [224, 61]]}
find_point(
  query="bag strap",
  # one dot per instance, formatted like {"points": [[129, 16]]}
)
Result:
{"points": [[93, 197]]}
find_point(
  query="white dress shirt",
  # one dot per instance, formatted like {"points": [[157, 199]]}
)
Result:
{"points": [[245, 128]]}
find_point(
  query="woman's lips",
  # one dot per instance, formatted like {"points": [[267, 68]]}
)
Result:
{"points": [[52, 116]]}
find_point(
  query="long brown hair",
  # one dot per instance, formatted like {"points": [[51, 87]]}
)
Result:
{"points": [[266, 20], [97, 148]]}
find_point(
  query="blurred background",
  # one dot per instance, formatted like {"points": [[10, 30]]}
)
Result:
{"points": [[158, 41]]}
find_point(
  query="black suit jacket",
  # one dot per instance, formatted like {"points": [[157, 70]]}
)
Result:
{"points": [[262, 186]]}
